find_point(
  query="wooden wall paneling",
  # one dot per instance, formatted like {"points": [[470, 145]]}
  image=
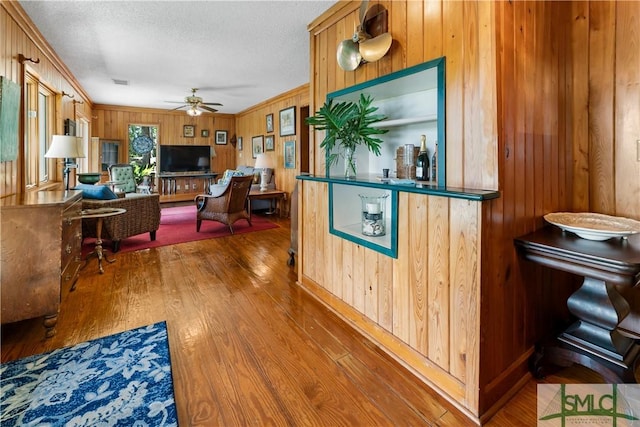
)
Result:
{"points": [[452, 22], [487, 108], [308, 229], [347, 279], [470, 142], [398, 25], [465, 295], [433, 29], [579, 96], [401, 275], [371, 284], [359, 260], [418, 271], [438, 309], [385, 292], [627, 118], [416, 36]]}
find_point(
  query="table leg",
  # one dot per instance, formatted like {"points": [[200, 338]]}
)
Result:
{"points": [[99, 251], [593, 340]]}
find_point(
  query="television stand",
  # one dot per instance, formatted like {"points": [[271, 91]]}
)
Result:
{"points": [[173, 184]]}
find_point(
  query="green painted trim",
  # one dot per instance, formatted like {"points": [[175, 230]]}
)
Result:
{"points": [[392, 250], [451, 192]]}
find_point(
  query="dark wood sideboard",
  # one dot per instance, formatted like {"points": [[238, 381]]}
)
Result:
{"points": [[40, 253]]}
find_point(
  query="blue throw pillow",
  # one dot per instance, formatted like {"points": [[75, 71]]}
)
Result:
{"points": [[98, 192]]}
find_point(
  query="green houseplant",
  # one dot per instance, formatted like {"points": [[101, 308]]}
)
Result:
{"points": [[348, 125]]}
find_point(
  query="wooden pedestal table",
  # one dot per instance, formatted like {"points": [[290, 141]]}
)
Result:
{"points": [[594, 340], [272, 195], [99, 215]]}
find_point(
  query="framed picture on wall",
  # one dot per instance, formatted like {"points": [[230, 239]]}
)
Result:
{"points": [[288, 121], [269, 143], [204, 133], [289, 154], [257, 146], [269, 123], [221, 137], [189, 131], [239, 143]]}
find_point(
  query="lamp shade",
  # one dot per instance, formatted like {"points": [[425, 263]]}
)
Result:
{"points": [[263, 162], [65, 147]]}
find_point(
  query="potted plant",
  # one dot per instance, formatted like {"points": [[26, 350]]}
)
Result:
{"points": [[348, 125]]}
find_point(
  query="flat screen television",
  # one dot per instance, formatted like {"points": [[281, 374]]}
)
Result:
{"points": [[185, 158]]}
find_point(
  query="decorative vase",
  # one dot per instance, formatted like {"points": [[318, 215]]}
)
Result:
{"points": [[350, 168]]}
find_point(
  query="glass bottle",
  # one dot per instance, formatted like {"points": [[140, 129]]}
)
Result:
{"points": [[434, 164], [422, 165]]}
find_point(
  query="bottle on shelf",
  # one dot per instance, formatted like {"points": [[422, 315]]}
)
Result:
{"points": [[434, 164], [422, 165]]}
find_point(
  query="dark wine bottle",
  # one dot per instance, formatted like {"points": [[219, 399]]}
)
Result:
{"points": [[434, 164], [422, 165]]}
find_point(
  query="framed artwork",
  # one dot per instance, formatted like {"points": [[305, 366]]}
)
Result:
{"points": [[269, 143], [9, 119], [269, 123], [257, 146], [221, 137], [189, 131], [288, 121], [289, 154], [204, 133], [239, 143]]}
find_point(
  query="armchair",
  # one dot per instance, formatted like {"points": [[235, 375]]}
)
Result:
{"points": [[228, 206], [123, 175]]}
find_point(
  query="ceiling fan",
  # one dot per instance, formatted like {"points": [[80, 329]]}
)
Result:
{"points": [[371, 40], [195, 104]]}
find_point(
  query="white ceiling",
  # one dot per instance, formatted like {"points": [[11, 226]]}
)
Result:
{"points": [[238, 53]]}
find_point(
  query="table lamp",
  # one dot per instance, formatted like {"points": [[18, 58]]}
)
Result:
{"points": [[65, 147], [263, 162]]}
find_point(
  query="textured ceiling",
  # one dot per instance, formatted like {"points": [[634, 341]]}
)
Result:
{"points": [[238, 53]]}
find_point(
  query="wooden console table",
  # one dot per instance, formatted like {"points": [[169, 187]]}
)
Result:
{"points": [[169, 186], [273, 195], [593, 340]]}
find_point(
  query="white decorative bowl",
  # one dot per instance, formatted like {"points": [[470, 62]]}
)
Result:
{"points": [[594, 226]]}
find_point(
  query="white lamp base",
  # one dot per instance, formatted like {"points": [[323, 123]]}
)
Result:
{"points": [[263, 180]]}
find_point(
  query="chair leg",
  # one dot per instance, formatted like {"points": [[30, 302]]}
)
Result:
{"points": [[231, 228], [249, 221], [115, 245], [152, 235], [198, 224]]}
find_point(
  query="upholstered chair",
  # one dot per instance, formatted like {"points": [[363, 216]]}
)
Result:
{"points": [[123, 175], [228, 206]]}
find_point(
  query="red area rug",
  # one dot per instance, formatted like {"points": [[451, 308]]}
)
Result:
{"points": [[178, 225]]}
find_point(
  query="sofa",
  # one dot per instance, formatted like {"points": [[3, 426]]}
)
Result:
{"points": [[256, 205], [142, 214]]}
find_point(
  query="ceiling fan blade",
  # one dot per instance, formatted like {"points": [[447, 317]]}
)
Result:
{"points": [[204, 107], [175, 102], [177, 108], [211, 103], [375, 48], [348, 55]]}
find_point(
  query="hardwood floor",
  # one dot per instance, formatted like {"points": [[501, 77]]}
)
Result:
{"points": [[248, 346]]}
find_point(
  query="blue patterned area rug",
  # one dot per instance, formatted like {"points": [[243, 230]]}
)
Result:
{"points": [[119, 380]]}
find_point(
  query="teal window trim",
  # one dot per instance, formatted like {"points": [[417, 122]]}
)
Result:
{"points": [[440, 65], [392, 249]]}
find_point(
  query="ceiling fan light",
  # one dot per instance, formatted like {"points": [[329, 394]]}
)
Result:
{"points": [[193, 112]]}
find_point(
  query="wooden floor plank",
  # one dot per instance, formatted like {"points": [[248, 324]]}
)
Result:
{"points": [[249, 346]]}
